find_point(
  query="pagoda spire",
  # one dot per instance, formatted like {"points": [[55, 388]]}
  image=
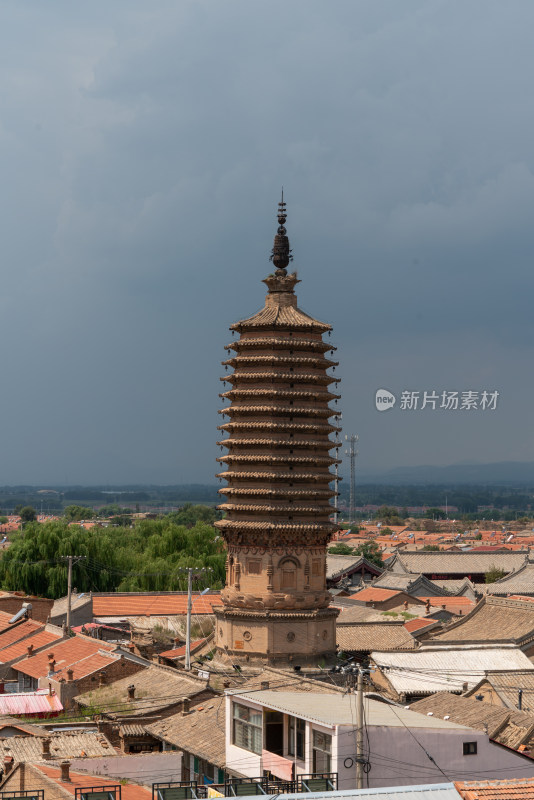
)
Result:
{"points": [[281, 254]]}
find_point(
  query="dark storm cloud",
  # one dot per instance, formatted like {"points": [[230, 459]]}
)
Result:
{"points": [[142, 152]]}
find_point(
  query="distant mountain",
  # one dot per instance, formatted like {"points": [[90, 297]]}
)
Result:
{"points": [[498, 473]]}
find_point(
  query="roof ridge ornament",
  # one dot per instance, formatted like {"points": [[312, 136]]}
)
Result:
{"points": [[281, 254]]}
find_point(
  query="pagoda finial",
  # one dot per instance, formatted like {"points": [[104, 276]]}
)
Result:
{"points": [[281, 255]]}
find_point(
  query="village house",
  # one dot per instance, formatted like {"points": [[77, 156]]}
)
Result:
{"points": [[284, 734]]}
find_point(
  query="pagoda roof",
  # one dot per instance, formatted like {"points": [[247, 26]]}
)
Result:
{"points": [[283, 317]]}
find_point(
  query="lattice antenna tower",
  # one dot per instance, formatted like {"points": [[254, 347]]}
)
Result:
{"points": [[351, 452]]}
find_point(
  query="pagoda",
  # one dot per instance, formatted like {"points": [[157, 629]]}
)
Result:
{"points": [[277, 502]]}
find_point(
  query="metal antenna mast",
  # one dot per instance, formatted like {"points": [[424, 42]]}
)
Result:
{"points": [[352, 453]]}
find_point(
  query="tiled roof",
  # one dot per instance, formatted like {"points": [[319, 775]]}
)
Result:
{"points": [[437, 669], [74, 744], [4, 620], [156, 687], [460, 563], [367, 636], [79, 653], [356, 613], [129, 791], [418, 624], [519, 582], [179, 652], [413, 583], [201, 732], [20, 631], [518, 789], [510, 728], [275, 315], [494, 619], [507, 683], [130, 604], [373, 594], [20, 649]]}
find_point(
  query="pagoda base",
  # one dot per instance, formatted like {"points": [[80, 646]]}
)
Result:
{"points": [[275, 637]]}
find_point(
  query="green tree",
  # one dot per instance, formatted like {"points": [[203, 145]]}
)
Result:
{"points": [[3, 520], [341, 549], [77, 513], [371, 551], [493, 574], [432, 547], [389, 515], [27, 514], [436, 513]]}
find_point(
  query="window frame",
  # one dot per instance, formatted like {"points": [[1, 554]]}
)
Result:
{"points": [[250, 736]]}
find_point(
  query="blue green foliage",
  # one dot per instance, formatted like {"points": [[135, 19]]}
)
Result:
{"points": [[151, 556]]}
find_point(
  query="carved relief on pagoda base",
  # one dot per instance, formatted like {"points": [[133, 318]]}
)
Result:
{"points": [[276, 637]]}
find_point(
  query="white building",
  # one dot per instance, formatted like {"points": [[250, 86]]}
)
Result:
{"points": [[299, 733]]}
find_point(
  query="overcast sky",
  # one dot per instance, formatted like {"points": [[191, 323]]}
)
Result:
{"points": [[142, 151]]}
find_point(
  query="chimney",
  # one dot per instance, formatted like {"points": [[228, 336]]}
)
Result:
{"points": [[185, 706], [427, 605], [131, 647], [264, 685], [101, 679], [8, 764], [70, 675], [444, 607], [226, 684], [465, 686], [406, 605], [131, 692], [46, 748], [30, 649], [65, 771], [51, 664]]}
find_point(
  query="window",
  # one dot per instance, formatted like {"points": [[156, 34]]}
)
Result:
{"points": [[322, 751], [254, 567], [296, 738], [470, 748], [247, 725], [27, 682], [289, 577], [316, 567]]}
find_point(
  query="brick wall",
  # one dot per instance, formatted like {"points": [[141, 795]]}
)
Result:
{"points": [[41, 606]]}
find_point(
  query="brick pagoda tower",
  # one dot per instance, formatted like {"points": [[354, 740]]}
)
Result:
{"points": [[277, 502]]}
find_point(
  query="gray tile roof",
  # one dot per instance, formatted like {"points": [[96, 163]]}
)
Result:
{"points": [[368, 636], [156, 687], [437, 669], [494, 619], [519, 582], [456, 562], [507, 684], [511, 728], [72, 744], [201, 732], [338, 564]]}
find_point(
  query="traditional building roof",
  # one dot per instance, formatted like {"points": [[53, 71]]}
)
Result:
{"points": [[462, 564], [436, 669], [78, 780], [511, 687], [71, 744], [516, 789], [338, 566], [493, 619], [413, 583], [519, 582], [131, 604], [363, 637], [511, 728], [156, 687]]}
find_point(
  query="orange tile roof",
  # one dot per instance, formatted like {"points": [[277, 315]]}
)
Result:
{"points": [[129, 791], [449, 601], [19, 649], [152, 605], [4, 620], [374, 594], [518, 789], [17, 632], [178, 652], [418, 623], [80, 653]]}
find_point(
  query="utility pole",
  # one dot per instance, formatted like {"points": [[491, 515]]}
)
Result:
{"points": [[188, 624], [69, 591], [352, 453], [359, 730]]}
